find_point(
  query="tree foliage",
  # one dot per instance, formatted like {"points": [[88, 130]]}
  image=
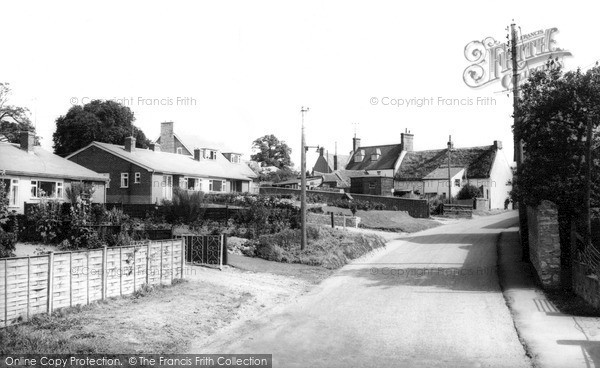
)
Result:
{"points": [[102, 121], [552, 118], [270, 151], [13, 119]]}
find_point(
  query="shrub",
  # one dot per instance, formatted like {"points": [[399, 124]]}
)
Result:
{"points": [[268, 215], [468, 192], [7, 244], [186, 207]]}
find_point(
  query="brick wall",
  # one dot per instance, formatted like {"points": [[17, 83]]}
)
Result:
{"points": [[544, 243], [586, 286], [417, 208]]}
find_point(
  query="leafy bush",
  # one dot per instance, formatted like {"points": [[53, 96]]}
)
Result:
{"points": [[357, 204], [327, 247], [7, 244], [268, 215], [468, 192], [186, 207]]}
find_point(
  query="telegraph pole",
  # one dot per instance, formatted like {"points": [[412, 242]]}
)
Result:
{"points": [[449, 174], [303, 111], [517, 141]]}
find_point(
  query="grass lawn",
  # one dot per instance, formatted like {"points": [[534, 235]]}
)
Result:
{"points": [[164, 320], [398, 221]]}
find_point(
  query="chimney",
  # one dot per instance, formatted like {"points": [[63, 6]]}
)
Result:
{"points": [[335, 167], [498, 145], [27, 141], [197, 154], [322, 152], [167, 137], [407, 141], [355, 144], [130, 144], [155, 147]]}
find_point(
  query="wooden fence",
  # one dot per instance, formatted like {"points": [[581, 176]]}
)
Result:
{"points": [[42, 284]]}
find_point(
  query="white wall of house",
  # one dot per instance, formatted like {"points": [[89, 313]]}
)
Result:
{"points": [[32, 189], [501, 181], [440, 186]]}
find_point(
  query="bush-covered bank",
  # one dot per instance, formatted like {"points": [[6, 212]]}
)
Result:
{"points": [[330, 248]]}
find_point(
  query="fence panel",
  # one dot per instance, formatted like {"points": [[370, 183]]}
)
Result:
{"points": [[42, 284]]}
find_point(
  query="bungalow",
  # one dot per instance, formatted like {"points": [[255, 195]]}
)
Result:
{"points": [[149, 175], [31, 173]]}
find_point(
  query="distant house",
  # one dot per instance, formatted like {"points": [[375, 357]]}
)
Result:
{"points": [[339, 179], [426, 172], [149, 175], [31, 173], [311, 183], [327, 163], [486, 167], [381, 160]]}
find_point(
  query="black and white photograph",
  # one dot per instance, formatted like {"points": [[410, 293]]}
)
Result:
{"points": [[300, 184]]}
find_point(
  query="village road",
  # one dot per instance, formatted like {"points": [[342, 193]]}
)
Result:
{"points": [[430, 299]]}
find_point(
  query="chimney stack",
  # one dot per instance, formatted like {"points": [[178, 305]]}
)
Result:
{"points": [[322, 152], [130, 144], [27, 141], [155, 147], [355, 144], [498, 145], [407, 139], [167, 137], [197, 154]]}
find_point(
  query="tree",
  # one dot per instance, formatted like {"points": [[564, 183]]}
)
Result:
{"points": [[270, 151], [552, 120], [102, 121], [13, 119]]}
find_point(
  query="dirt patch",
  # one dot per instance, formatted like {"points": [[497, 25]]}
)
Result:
{"points": [[165, 320]]}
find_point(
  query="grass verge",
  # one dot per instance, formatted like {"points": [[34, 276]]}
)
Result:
{"points": [[330, 248]]}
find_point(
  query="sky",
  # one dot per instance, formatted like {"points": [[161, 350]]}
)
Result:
{"points": [[229, 72]]}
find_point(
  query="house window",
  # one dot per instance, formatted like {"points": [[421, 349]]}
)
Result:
{"points": [[371, 185], [46, 189], [360, 155], [235, 159], [124, 180], [216, 185], [191, 184], [209, 154], [457, 182], [137, 178], [179, 150], [11, 188]]}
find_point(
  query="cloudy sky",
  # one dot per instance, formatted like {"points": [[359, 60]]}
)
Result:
{"points": [[230, 71]]}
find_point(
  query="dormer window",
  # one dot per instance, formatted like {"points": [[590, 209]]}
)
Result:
{"points": [[376, 155], [235, 159], [209, 154], [360, 155]]}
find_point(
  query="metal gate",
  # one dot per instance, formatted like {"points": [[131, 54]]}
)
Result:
{"points": [[205, 249]]}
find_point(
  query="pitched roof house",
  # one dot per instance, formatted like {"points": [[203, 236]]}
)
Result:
{"points": [[328, 163], [31, 173], [426, 172], [149, 175], [486, 167]]}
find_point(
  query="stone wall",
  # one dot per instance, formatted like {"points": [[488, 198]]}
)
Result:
{"points": [[544, 243], [586, 286]]}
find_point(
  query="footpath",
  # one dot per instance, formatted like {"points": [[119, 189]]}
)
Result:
{"points": [[551, 338]]}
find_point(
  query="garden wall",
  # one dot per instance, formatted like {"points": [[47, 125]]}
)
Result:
{"points": [[340, 221], [41, 284], [415, 207], [544, 243]]}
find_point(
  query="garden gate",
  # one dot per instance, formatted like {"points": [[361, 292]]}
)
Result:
{"points": [[205, 249]]}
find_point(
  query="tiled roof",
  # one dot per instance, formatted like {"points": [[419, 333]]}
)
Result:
{"points": [[387, 159], [172, 163], [418, 164], [41, 163], [341, 177]]}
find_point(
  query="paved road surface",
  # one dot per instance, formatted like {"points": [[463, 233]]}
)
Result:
{"points": [[429, 300]]}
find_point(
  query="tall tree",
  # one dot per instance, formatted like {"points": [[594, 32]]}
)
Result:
{"points": [[270, 151], [98, 120], [13, 119]]}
